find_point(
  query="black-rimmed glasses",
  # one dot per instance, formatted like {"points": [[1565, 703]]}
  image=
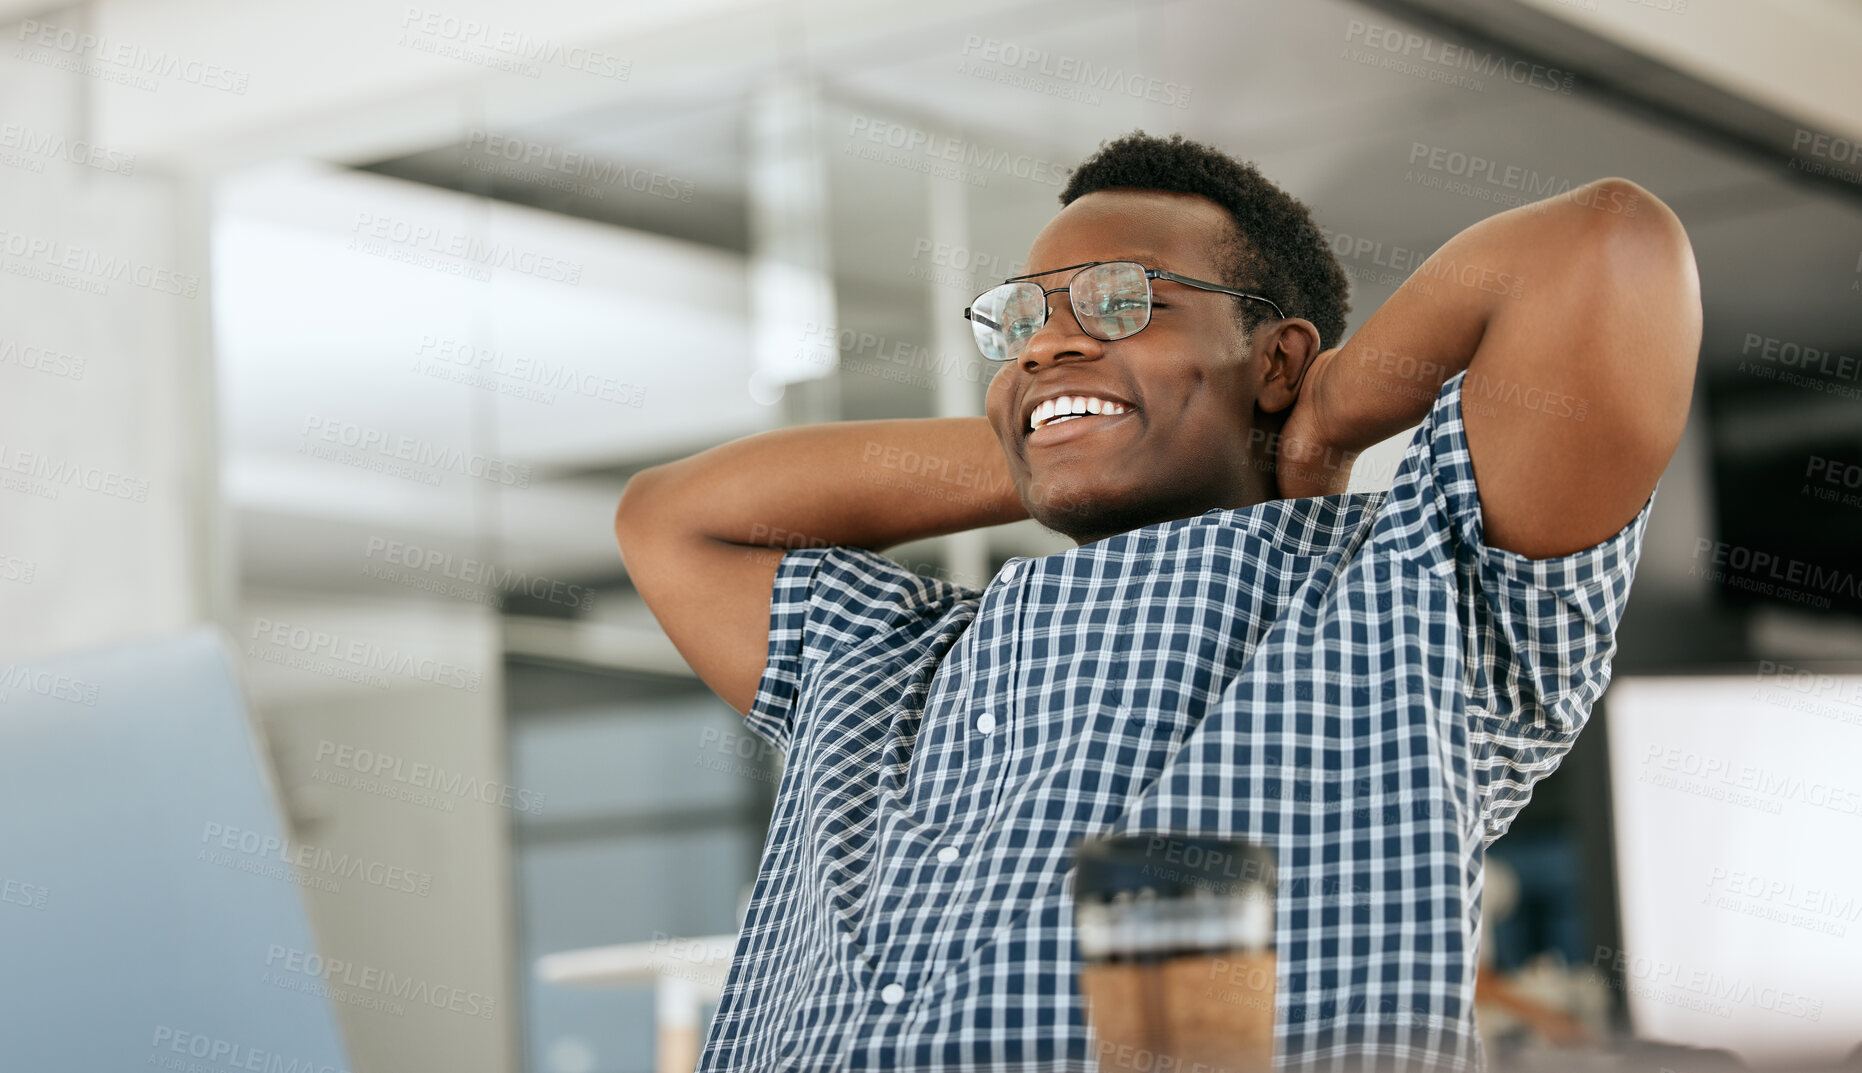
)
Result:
{"points": [[1111, 300]]}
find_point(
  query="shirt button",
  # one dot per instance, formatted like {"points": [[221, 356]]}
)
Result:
{"points": [[986, 722], [947, 854], [892, 994]]}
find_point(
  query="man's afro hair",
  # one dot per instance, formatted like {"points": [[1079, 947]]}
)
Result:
{"points": [[1275, 249]]}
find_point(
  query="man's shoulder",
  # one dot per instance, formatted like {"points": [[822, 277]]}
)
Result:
{"points": [[847, 580]]}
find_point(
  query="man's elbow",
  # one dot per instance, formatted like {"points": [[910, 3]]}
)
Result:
{"points": [[1640, 239], [1650, 288], [634, 507]]}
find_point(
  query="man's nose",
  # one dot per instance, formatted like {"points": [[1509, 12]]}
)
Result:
{"points": [[1060, 337]]}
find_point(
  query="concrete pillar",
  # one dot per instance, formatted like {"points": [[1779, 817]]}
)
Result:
{"points": [[107, 477]]}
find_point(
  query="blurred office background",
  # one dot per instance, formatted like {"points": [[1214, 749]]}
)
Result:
{"points": [[343, 326]]}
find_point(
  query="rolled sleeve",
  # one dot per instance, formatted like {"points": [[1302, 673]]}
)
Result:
{"points": [[1538, 635], [825, 600], [772, 713]]}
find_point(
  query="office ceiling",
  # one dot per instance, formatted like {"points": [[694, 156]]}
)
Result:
{"points": [[1303, 90]]}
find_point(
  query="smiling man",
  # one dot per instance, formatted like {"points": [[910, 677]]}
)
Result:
{"points": [[1367, 683]]}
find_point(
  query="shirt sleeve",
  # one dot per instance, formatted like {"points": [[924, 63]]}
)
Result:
{"points": [[1537, 635], [829, 600]]}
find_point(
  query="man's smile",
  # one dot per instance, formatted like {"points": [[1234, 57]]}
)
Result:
{"points": [[1066, 429]]}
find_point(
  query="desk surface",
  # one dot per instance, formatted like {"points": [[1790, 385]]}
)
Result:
{"points": [[701, 960]]}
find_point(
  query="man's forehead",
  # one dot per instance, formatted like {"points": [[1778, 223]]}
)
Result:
{"points": [[1177, 232]]}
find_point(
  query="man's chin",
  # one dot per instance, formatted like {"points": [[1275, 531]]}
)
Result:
{"points": [[1084, 512]]}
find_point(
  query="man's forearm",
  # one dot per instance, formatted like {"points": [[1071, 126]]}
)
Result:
{"points": [[868, 484]]}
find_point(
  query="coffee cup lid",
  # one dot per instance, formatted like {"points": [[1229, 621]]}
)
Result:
{"points": [[1171, 866]]}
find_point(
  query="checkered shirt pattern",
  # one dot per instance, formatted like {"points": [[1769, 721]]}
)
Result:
{"points": [[1356, 681]]}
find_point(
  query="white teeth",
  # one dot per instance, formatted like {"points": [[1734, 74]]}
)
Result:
{"points": [[1066, 406]]}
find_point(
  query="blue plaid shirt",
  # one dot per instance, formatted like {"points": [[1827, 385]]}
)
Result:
{"points": [[1357, 681]]}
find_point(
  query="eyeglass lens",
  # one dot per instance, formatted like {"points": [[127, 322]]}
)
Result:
{"points": [[1110, 301]]}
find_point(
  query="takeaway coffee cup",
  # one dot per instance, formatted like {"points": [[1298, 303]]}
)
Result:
{"points": [[1177, 958]]}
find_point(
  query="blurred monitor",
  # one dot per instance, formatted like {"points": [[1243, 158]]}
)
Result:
{"points": [[1738, 806], [150, 916]]}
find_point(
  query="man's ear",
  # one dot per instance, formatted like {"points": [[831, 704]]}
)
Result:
{"points": [[1283, 351]]}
